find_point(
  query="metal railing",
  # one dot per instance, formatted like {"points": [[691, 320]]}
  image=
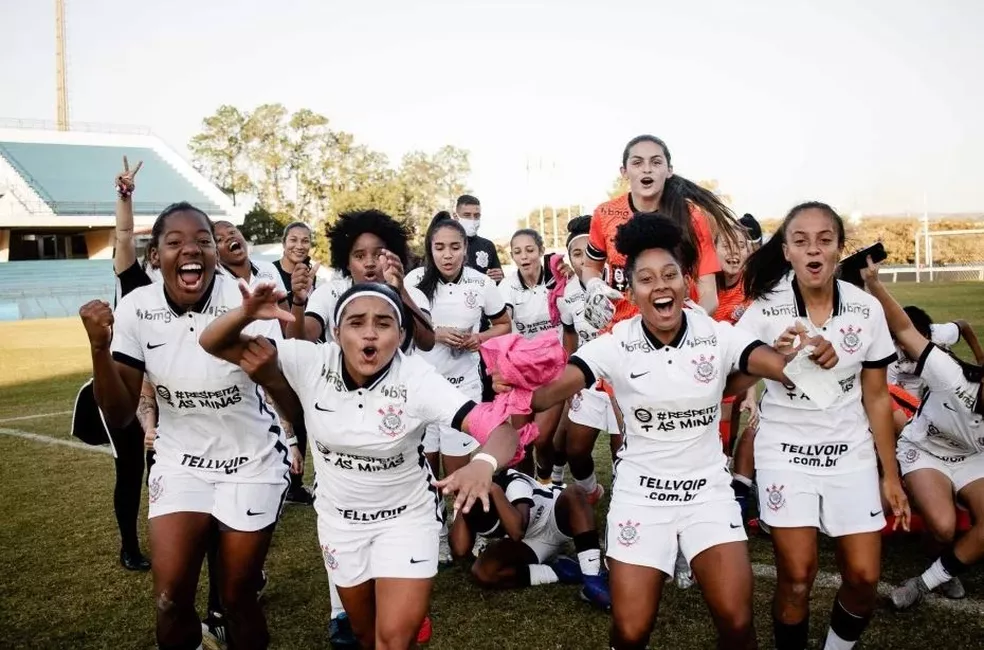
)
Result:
{"points": [[88, 127]]}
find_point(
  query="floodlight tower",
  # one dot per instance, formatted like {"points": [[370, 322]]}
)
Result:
{"points": [[61, 83]]}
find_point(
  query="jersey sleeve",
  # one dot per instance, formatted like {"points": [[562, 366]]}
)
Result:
{"points": [[494, 306], [707, 259], [266, 328], [319, 307], [419, 299], [518, 490], [432, 397], [938, 369], [737, 346], [754, 322], [278, 281], [597, 240], [945, 334], [301, 363], [881, 353], [126, 346], [597, 359], [566, 313], [132, 278]]}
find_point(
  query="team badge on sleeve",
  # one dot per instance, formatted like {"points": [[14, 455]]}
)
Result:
{"points": [[392, 424], [330, 560], [851, 341], [628, 533], [775, 498], [705, 371]]}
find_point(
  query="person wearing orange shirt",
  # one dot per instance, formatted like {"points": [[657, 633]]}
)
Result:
{"points": [[647, 166]]}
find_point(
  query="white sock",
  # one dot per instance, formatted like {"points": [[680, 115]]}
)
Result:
{"points": [[336, 601], [834, 642], [936, 575], [742, 479], [589, 484], [590, 561], [541, 574], [557, 475]]}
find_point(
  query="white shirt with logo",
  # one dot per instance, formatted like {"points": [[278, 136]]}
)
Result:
{"points": [[521, 489], [367, 440], [530, 312], [794, 433], [323, 300], [903, 371], [946, 424], [259, 271], [460, 304], [571, 307], [670, 397], [213, 418]]}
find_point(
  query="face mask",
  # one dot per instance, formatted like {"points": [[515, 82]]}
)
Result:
{"points": [[470, 226]]}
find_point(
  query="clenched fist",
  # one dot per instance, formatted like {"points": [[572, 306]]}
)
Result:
{"points": [[259, 361], [97, 316]]}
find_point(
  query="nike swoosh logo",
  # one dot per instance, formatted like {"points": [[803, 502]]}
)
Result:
{"points": [[736, 525], [319, 408], [151, 347], [413, 561], [633, 375], [948, 407], [875, 513], [250, 513]]}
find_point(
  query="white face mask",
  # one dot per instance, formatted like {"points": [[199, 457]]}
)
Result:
{"points": [[470, 226]]}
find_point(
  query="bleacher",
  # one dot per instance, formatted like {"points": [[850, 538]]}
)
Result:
{"points": [[72, 179], [53, 288]]}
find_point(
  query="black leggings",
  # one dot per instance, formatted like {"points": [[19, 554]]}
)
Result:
{"points": [[129, 442]]}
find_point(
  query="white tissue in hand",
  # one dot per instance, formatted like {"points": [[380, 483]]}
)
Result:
{"points": [[820, 385]]}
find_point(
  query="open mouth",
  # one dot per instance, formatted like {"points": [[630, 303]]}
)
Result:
{"points": [[369, 353], [235, 246], [664, 306], [371, 276], [190, 276], [647, 182], [732, 261], [814, 267]]}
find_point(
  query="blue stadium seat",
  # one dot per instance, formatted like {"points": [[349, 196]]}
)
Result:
{"points": [[53, 288]]}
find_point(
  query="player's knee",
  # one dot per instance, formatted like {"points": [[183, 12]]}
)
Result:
{"points": [[169, 607], [484, 574], [629, 633], [579, 446], [394, 634], [862, 578], [942, 526], [795, 582], [575, 496], [735, 622]]}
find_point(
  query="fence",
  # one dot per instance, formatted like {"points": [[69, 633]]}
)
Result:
{"points": [[954, 255]]}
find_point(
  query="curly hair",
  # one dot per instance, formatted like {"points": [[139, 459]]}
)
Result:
{"points": [[350, 225], [652, 230]]}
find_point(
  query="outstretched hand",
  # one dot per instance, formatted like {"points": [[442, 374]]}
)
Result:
{"points": [[125, 180], [870, 273], [392, 269], [262, 302]]}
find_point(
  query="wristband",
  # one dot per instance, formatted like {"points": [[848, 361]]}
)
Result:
{"points": [[298, 304], [488, 458], [292, 441]]}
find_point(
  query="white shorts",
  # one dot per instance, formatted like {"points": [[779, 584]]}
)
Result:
{"points": [[243, 506], [405, 547], [449, 441], [543, 536], [836, 504], [651, 536], [593, 408], [962, 470]]}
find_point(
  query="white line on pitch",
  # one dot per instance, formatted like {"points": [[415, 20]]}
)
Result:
{"points": [[833, 581], [34, 417], [51, 440]]}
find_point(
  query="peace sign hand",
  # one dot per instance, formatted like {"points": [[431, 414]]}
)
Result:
{"points": [[125, 180]]}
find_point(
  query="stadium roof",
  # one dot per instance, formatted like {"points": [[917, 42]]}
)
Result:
{"points": [[54, 179]]}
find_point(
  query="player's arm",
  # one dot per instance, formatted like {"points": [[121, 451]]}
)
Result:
{"points": [[968, 334], [147, 410], [594, 261], [514, 517], [570, 340], [126, 248], [707, 294]]}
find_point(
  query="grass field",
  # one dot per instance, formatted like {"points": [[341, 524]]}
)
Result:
{"points": [[61, 585]]}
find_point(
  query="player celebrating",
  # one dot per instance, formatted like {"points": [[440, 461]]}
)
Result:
{"points": [[367, 405], [220, 454], [816, 465], [653, 187], [672, 489], [234, 258], [941, 452], [530, 524]]}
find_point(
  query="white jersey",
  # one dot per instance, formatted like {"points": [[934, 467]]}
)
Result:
{"points": [[903, 371], [571, 307], [946, 425], [259, 271], [460, 304], [521, 489], [322, 302], [530, 313], [794, 433], [367, 440], [213, 418], [670, 396]]}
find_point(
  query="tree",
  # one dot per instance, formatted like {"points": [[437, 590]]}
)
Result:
{"points": [[219, 151], [619, 187], [260, 227]]}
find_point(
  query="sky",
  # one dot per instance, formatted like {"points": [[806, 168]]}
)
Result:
{"points": [[875, 107]]}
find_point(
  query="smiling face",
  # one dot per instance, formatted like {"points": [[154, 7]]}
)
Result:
{"points": [[231, 245], [297, 244], [448, 252], [363, 261], [731, 256], [646, 170], [369, 335], [578, 251], [526, 254], [812, 247], [187, 256], [658, 289]]}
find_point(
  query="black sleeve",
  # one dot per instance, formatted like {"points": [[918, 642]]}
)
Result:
{"points": [[132, 278]]}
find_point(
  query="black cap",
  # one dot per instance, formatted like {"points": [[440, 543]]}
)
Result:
{"points": [[752, 227]]}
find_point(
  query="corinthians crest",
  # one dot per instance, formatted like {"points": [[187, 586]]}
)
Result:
{"points": [[850, 339], [628, 533], [705, 371], [775, 499], [392, 424], [471, 299]]}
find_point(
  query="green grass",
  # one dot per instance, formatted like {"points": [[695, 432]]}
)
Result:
{"points": [[60, 585]]}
